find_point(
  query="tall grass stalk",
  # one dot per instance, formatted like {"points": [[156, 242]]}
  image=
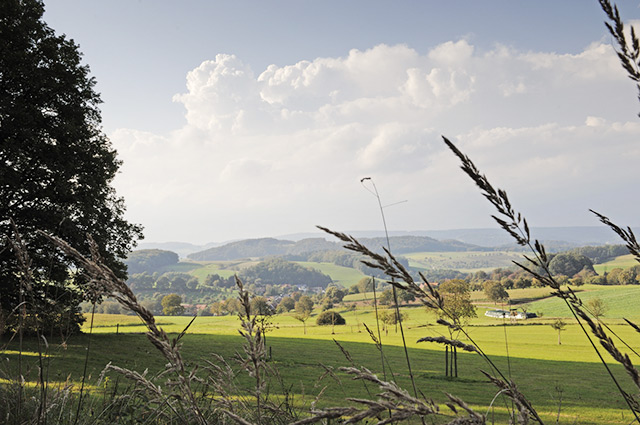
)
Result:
{"points": [[378, 342], [393, 287], [628, 49], [182, 398], [432, 299], [516, 226], [86, 362]]}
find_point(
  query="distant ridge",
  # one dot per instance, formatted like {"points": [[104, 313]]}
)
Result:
{"points": [[181, 248], [271, 247], [561, 237], [576, 236], [495, 237], [263, 247]]}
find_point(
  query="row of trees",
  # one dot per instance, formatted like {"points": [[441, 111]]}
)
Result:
{"points": [[263, 278], [601, 254], [166, 282]]}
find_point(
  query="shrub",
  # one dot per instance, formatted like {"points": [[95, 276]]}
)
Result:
{"points": [[330, 318]]}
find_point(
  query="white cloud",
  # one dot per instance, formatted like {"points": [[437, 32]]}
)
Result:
{"points": [[453, 54], [282, 150], [245, 169], [221, 93]]}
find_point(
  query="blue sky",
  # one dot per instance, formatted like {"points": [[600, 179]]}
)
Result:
{"points": [[248, 119]]}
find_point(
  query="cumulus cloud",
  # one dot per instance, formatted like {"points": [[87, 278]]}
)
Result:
{"points": [[282, 149]]}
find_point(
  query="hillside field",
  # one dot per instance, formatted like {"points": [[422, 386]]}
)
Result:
{"points": [[620, 300], [623, 262], [465, 261], [344, 276]]}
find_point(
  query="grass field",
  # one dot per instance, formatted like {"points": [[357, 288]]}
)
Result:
{"points": [[206, 268], [542, 369], [344, 276], [469, 261], [182, 267], [621, 301], [623, 262], [588, 396]]}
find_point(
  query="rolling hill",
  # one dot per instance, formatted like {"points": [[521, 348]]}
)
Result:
{"points": [[271, 247]]}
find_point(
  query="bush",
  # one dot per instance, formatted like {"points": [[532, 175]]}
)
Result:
{"points": [[330, 318]]}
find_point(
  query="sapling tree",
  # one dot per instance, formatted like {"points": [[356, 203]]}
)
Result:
{"points": [[559, 325], [304, 307], [597, 307], [458, 308]]}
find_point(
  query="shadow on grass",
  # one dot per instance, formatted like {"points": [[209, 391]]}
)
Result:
{"points": [[588, 395]]}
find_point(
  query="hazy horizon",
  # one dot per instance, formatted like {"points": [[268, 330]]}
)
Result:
{"points": [[598, 234]]}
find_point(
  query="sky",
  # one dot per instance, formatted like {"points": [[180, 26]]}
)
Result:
{"points": [[239, 119]]}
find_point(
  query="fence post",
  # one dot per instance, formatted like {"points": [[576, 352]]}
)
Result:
{"points": [[455, 356], [446, 360]]}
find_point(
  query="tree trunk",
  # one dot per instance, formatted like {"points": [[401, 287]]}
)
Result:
{"points": [[455, 356], [451, 362], [446, 361]]}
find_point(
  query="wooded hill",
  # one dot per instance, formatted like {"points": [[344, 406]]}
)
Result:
{"points": [[270, 247], [149, 260]]}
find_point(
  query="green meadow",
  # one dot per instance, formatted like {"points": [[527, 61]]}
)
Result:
{"points": [[202, 270], [623, 262], [543, 370], [621, 301], [344, 276], [465, 261]]}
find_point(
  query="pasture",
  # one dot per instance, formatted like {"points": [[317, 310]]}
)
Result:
{"points": [[344, 276], [465, 261], [623, 262], [543, 370], [620, 301]]}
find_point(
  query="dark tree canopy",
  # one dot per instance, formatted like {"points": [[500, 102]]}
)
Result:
{"points": [[150, 260], [278, 271], [330, 318], [570, 263], [56, 164], [495, 291], [260, 306], [172, 305]]}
